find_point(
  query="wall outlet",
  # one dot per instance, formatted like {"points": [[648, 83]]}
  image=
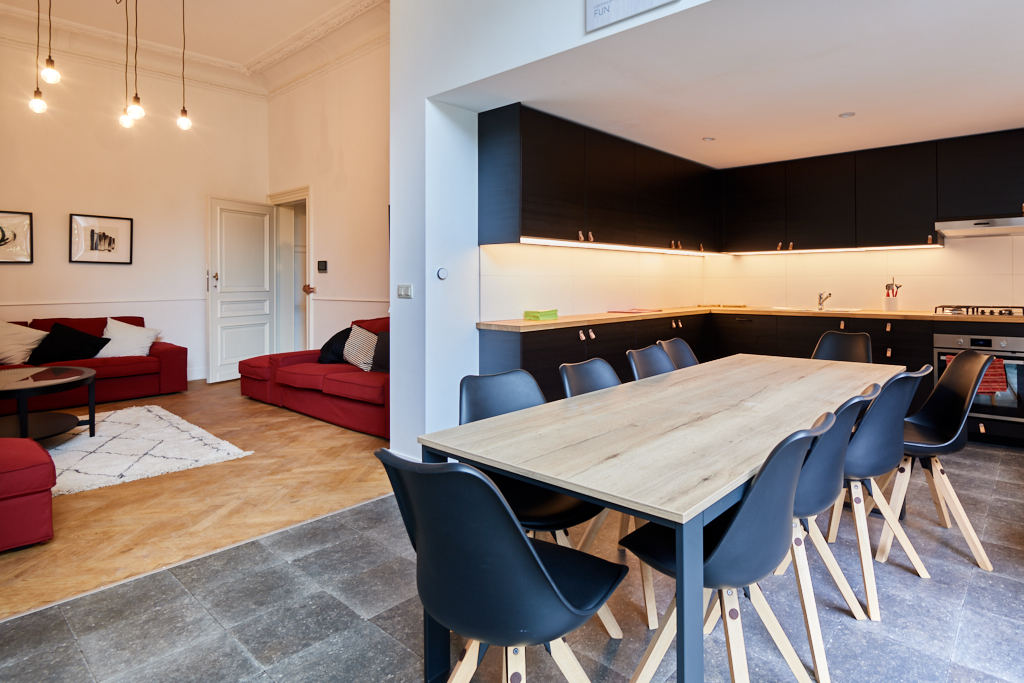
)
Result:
{"points": [[404, 291]]}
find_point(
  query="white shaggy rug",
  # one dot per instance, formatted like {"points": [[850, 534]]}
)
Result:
{"points": [[133, 443]]}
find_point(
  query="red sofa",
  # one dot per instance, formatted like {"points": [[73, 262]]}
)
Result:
{"points": [[163, 371], [339, 393], [27, 474]]}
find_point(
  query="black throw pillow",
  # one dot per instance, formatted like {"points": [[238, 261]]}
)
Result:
{"points": [[334, 350], [381, 357], [66, 343]]}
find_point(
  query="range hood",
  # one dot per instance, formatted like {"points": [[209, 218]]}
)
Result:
{"points": [[981, 227]]}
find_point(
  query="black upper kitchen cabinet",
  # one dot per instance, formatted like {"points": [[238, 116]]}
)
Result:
{"points": [[699, 207], [610, 185], [896, 195], [754, 208], [820, 202], [981, 176], [657, 214], [531, 175]]}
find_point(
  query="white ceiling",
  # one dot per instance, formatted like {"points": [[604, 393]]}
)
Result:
{"points": [[768, 79], [239, 32]]}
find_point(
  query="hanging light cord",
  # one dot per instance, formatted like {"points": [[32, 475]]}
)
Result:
{"points": [[136, 46], [182, 54], [49, 31], [38, 10], [118, 2]]}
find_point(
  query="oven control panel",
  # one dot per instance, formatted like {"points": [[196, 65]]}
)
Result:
{"points": [[979, 343]]}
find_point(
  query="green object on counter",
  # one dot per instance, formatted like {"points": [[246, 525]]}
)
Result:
{"points": [[541, 315]]}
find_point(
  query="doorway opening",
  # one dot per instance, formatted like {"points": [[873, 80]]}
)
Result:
{"points": [[294, 287]]}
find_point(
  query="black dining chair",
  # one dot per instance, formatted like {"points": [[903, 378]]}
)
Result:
{"points": [[876, 449], [741, 546], [649, 361], [850, 346], [679, 352], [938, 428], [478, 574], [538, 509], [582, 378]]}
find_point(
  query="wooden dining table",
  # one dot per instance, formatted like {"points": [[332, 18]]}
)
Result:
{"points": [[677, 449]]}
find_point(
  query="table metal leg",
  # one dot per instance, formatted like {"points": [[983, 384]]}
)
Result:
{"points": [[437, 659], [22, 416], [689, 600], [92, 408]]}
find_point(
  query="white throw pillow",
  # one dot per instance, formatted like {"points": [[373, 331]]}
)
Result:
{"points": [[17, 343], [360, 347], [126, 340]]}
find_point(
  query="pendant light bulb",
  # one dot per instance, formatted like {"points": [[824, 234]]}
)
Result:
{"points": [[49, 72], [37, 103], [184, 122], [126, 120], [135, 109]]}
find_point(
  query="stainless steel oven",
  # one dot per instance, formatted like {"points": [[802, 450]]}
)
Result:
{"points": [[998, 406]]}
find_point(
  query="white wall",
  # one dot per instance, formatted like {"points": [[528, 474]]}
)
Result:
{"points": [[75, 158], [329, 131], [437, 46]]}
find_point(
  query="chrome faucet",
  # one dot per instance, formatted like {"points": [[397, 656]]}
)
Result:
{"points": [[822, 298]]}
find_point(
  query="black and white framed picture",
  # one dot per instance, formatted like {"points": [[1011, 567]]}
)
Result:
{"points": [[100, 239], [15, 237]]}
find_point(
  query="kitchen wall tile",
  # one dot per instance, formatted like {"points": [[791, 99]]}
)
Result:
{"points": [[924, 292], [959, 257]]}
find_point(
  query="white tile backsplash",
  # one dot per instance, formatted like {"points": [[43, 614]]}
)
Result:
{"points": [[517, 277]]}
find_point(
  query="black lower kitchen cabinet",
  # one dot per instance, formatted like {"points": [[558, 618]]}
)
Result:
{"points": [[689, 328], [798, 335], [741, 333]]}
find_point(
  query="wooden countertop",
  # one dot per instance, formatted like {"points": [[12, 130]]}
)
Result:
{"points": [[601, 318], [670, 445]]}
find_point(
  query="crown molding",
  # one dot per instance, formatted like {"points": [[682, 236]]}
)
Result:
{"points": [[311, 34], [360, 50]]}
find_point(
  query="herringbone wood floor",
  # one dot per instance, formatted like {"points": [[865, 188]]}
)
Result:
{"points": [[301, 468]]}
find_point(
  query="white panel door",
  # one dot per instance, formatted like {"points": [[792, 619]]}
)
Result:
{"points": [[240, 302]]}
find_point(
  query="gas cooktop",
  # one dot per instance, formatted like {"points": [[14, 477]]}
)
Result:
{"points": [[980, 310]]}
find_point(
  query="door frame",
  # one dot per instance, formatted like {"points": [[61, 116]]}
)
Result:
{"points": [[293, 196]]}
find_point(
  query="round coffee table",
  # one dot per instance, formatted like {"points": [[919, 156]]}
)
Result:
{"points": [[23, 383]]}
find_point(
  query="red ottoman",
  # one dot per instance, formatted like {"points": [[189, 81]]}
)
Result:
{"points": [[26, 476]]}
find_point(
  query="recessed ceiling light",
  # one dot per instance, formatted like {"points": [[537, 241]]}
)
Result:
{"points": [[847, 114], [708, 139]]}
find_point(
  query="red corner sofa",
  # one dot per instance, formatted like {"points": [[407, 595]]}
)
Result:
{"points": [[339, 393], [163, 371]]}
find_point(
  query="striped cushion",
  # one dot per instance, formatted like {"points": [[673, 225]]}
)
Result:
{"points": [[360, 347]]}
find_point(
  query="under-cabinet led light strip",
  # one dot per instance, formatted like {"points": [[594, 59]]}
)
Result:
{"points": [[687, 252]]}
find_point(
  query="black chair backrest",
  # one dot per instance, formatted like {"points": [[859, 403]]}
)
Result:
{"points": [[649, 361], [590, 375], [945, 411], [761, 530], [821, 477], [877, 445], [851, 346], [476, 572], [483, 396], [679, 351]]}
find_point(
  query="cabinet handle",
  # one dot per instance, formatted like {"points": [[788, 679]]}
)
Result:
{"points": [[702, 246], [888, 327], [929, 238], [592, 335], [673, 324], [582, 238], [790, 245], [582, 336], [673, 244], [779, 248], [590, 235], [842, 324], [888, 352], [680, 324]]}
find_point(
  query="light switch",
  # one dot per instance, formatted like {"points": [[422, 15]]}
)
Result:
{"points": [[404, 291]]}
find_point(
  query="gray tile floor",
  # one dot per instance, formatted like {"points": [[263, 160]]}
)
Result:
{"points": [[335, 599]]}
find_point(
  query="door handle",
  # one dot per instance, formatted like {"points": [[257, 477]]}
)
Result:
{"points": [[308, 289], [216, 276]]}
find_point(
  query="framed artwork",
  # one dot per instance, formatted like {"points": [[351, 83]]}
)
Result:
{"points": [[15, 237], [100, 239]]}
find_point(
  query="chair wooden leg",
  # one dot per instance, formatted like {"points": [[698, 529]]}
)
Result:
{"points": [[864, 548], [837, 515], [466, 666], [730, 606], [798, 551], [567, 663], [650, 600], [783, 566], [712, 612], [949, 495], [834, 570], [514, 664], [892, 520], [778, 635], [657, 648], [590, 535], [940, 504], [899, 494], [605, 613]]}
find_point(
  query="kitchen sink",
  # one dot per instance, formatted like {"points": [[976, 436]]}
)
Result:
{"points": [[791, 308], [829, 309]]}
